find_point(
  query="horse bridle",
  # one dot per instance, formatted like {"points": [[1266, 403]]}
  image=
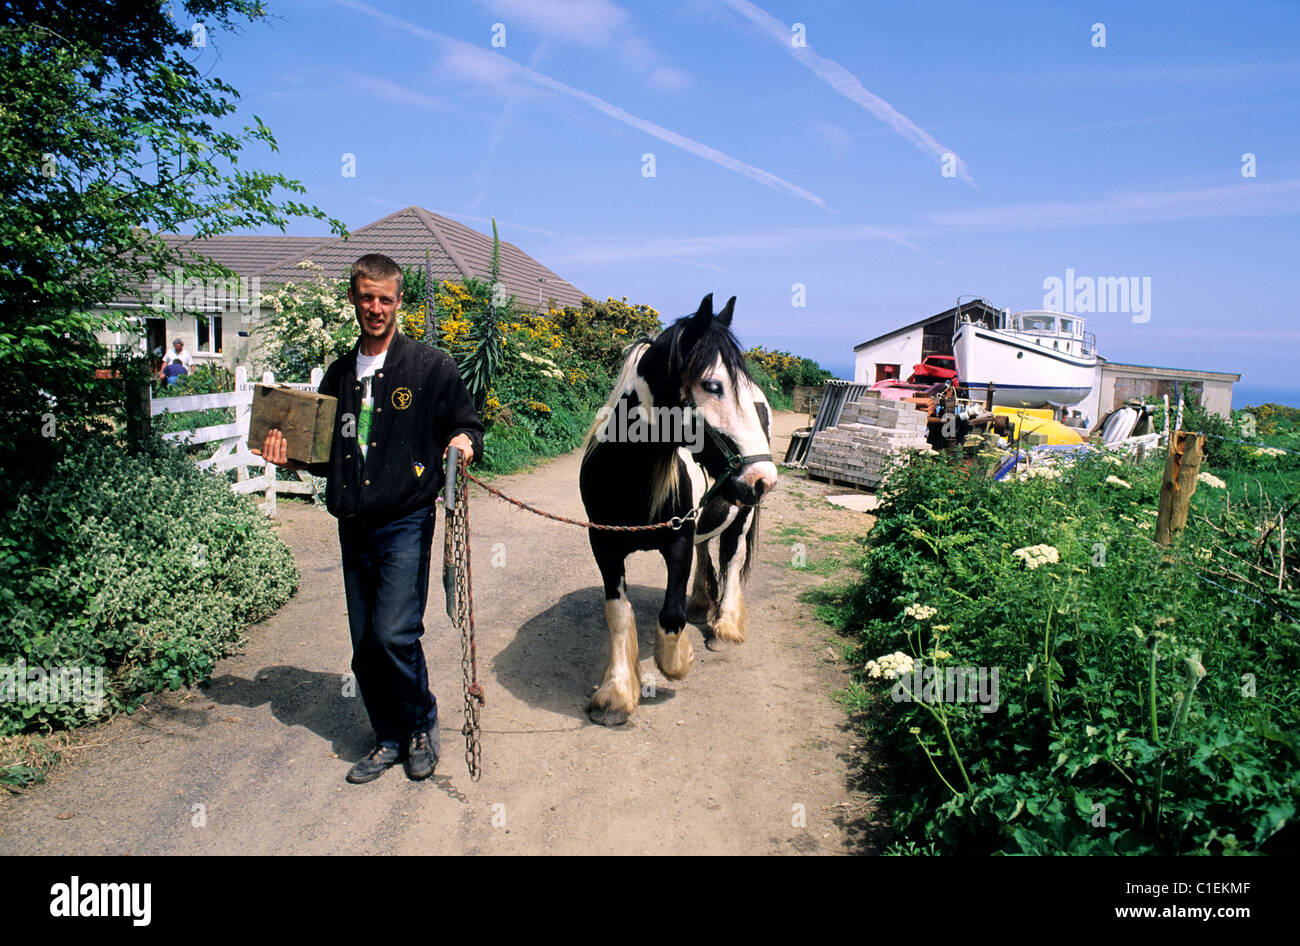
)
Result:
{"points": [[735, 461]]}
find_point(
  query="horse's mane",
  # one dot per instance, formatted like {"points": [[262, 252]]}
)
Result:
{"points": [[717, 342], [631, 358]]}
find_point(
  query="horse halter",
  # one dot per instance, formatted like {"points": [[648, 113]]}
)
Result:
{"points": [[731, 455]]}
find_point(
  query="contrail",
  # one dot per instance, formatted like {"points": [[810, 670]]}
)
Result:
{"points": [[613, 111], [847, 84]]}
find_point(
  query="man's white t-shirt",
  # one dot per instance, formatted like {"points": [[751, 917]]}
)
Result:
{"points": [[367, 365], [184, 355]]}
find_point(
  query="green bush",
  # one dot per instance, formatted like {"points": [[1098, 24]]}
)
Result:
{"points": [[788, 370], [778, 398], [1146, 704], [139, 565]]}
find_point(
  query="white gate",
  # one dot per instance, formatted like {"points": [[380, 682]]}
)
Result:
{"points": [[231, 439]]}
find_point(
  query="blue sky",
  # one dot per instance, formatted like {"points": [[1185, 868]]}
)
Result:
{"points": [[905, 154]]}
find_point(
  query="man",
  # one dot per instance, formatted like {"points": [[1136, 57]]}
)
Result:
{"points": [[179, 351], [400, 405]]}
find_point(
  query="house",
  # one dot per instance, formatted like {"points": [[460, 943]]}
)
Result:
{"points": [[215, 318], [893, 354]]}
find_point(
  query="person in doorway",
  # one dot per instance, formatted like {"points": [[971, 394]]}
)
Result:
{"points": [[400, 405]]}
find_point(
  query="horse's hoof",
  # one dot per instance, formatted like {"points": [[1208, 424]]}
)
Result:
{"points": [[607, 716], [673, 654], [716, 644]]}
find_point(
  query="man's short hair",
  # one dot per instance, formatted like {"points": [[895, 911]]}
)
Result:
{"points": [[179, 341], [378, 267]]}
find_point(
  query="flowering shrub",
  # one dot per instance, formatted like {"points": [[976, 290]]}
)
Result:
{"points": [[308, 322], [787, 370], [1146, 697]]}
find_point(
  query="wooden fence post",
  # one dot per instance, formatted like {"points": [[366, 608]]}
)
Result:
{"points": [[1182, 464], [138, 393]]}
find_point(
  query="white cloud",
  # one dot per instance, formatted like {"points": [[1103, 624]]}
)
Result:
{"points": [[622, 249], [391, 91], [847, 84], [583, 22], [1251, 198], [494, 70], [668, 79], [595, 24]]}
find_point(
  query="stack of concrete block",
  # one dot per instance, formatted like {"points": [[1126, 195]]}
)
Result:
{"points": [[870, 433]]}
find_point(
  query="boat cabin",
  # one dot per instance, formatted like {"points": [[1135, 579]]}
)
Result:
{"points": [[1055, 330]]}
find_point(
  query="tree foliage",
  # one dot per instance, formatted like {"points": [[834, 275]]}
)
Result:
{"points": [[109, 135]]}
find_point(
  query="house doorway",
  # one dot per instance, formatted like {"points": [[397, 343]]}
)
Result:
{"points": [[155, 338]]}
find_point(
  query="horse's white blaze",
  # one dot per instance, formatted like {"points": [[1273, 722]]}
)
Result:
{"points": [[736, 414], [620, 690], [673, 653]]}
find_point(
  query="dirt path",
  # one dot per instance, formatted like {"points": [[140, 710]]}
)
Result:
{"points": [[719, 763]]}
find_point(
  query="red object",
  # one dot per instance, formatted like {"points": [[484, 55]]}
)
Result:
{"points": [[934, 368]]}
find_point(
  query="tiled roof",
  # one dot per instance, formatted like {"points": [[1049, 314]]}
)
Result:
{"points": [[456, 252], [246, 255]]}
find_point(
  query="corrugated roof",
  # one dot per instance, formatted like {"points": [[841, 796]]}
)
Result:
{"points": [[456, 253]]}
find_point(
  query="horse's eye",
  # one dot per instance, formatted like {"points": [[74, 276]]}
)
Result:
{"points": [[712, 387]]}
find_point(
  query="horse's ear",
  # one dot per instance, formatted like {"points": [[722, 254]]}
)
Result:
{"points": [[725, 315], [698, 325], [705, 311]]}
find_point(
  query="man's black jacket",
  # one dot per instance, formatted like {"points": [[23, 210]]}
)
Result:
{"points": [[420, 404]]}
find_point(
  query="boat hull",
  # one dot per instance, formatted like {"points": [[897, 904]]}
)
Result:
{"points": [[1022, 373]]}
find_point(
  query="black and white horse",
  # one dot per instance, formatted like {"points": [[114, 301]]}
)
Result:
{"points": [[685, 434]]}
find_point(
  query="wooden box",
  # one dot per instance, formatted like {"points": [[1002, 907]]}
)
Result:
{"points": [[304, 417]]}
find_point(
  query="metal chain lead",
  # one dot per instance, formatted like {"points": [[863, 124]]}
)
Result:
{"points": [[457, 551]]}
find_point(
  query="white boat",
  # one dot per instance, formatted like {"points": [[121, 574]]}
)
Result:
{"points": [[1033, 358]]}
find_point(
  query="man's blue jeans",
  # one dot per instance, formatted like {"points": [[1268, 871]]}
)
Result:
{"points": [[386, 580]]}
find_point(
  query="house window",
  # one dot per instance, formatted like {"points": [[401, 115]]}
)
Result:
{"points": [[209, 331], [884, 371]]}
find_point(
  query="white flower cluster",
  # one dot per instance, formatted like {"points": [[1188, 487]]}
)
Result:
{"points": [[890, 666], [1035, 555], [1209, 479], [1113, 460], [1116, 481], [1269, 452], [922, 612], [1046, 472], [552, 372]]}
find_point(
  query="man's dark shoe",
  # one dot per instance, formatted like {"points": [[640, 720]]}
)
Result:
{"points": [[373, 765], [422, 756]]}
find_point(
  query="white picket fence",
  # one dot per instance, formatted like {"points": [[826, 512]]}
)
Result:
{"points": [[231, 439]]}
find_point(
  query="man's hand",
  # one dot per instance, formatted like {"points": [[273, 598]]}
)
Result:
{"points": [[275, 450], [461, 443]]}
